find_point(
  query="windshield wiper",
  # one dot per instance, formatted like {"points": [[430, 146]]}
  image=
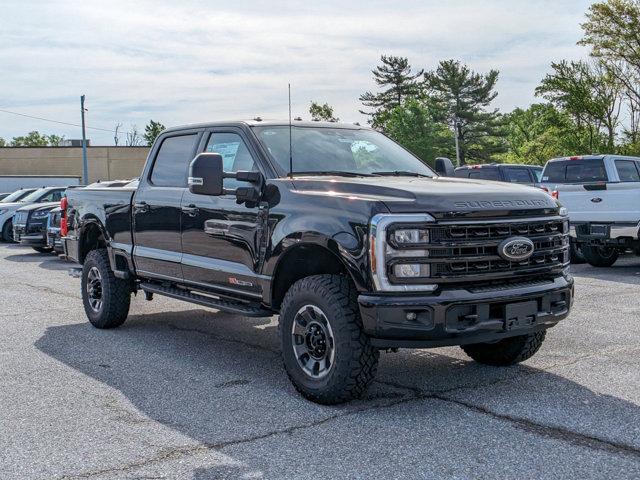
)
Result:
{"points": [[400, 173], [334, 172]]}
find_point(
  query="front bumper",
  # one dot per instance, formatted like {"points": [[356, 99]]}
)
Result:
{"points": [[20, 235], [456, 316], [54, 240], [612, 230]]}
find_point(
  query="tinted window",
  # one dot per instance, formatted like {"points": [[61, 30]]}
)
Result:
{"points": [[627, 171], [485, 174], [517, 175], [537, 174], [235, 155], [17, 195], [575, 171], [172, 161]]}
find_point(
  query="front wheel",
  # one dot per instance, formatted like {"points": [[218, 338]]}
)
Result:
{"points": [[327, 356], [508, 351], [7, 231], [599, 256], [106, 298]]}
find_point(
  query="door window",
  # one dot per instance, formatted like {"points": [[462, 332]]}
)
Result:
{"points": [[517, 175], [52, 196], [172, 161], [235, 155], [627, 171]]}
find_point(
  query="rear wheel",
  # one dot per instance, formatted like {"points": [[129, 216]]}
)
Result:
{"points": [[106, 298], [508, 351], [577, 257], [43, 249], [327, 356], [600, 256], [7, 231]]}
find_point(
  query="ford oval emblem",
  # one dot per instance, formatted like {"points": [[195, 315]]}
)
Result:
{"points": [[516, 249]]}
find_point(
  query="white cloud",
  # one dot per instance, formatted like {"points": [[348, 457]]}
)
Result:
{"points": [[205, 60]]}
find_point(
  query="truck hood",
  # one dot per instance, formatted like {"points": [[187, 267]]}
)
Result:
{"points": [[440, 195], [38, 206]]}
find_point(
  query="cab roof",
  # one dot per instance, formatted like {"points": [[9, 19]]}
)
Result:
{"points": [[256, 122]]}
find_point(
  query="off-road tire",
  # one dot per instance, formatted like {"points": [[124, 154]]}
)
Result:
{"points": [[43, 249], [599, 256], [7, 231], [355, 362], [116, 293], [508, 351], [577, 258]]}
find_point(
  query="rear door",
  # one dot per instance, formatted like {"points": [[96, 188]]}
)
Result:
{"points": [[156, 206], [518, 175], [220, 237]]}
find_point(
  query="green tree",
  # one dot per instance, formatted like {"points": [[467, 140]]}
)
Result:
{"points": [[541, 132], [33, 139], [322, 112], [590, 93], [397, 81], [151, 132], [55, 140], [3, 142], [463, 96], [414, 126]]}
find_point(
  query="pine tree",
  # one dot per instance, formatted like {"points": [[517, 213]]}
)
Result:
{"points": [[398, 83], [463, 96]]}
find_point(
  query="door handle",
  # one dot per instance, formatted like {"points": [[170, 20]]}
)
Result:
{"points": [[191, 210], [141, 207]]}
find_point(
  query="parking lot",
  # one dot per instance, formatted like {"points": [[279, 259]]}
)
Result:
{"points": [[185, 392]]}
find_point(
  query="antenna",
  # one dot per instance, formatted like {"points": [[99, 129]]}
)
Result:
{"points": [[290, 142]]}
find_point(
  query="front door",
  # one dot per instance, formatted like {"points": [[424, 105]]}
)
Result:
{"points": [[156, 208], [220, 237]]}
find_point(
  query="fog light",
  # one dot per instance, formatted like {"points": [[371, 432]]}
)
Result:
{"points": [[411, 270]]}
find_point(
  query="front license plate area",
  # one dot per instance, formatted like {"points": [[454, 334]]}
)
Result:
{"points": [[520, 315], [599, 230]]}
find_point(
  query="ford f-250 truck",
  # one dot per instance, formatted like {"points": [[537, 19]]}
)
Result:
{"points": [[352, 240]]}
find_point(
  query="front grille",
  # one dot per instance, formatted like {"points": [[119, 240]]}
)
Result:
{"points": [[20, 218], [461, 252]]}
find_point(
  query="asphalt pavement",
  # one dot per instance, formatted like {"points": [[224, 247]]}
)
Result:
{"points": [[181, 391]]}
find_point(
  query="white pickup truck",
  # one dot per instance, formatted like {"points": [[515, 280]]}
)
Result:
{"points": [[602, 194]]}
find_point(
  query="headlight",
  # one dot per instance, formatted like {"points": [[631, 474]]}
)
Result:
{"points": [[40, 213], [563, 211], [398, 264], [414, 236]]}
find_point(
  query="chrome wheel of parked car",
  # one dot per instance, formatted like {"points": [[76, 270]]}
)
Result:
{"points": [[94, 289], [313, 341]]}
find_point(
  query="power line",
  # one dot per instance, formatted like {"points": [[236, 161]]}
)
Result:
{"points": [[61, 123]]}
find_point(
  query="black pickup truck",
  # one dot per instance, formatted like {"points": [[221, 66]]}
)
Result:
{"points": [[363, 247]]}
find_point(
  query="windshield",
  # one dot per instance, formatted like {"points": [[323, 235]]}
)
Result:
{"points": [[15, 196], [35, 196], [339, 150]]}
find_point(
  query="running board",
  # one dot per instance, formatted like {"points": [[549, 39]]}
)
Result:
{"points": [[238, 308]]}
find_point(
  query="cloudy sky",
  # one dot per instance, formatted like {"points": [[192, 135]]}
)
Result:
{"points": [[196, 60]]}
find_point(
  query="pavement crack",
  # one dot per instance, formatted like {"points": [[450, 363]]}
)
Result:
{"points": [[47, 290]]}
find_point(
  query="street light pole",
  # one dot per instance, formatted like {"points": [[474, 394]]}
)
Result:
{"points": [[455, 134], [85, 165]]}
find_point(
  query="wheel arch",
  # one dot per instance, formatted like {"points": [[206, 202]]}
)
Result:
{"points": [[93, 236]]}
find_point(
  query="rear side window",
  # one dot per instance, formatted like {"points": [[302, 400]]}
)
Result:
{"points": [[537, 174], [172, 161], [485, 174], [517, 175], [627, 170], [575, 171]]}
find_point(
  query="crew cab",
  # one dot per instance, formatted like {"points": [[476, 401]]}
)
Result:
{"points": [[602, 196], [354, 242], [502, 172]]}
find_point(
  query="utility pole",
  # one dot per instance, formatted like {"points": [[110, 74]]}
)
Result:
{"points": [[85, 165], [455, 134]]}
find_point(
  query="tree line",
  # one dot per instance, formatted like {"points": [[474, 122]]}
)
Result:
{"points": [[586, 106]]}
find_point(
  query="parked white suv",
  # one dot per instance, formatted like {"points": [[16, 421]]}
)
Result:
{"points": [[602, 194]]}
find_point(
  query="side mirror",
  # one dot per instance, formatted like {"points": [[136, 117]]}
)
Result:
{"points": [[206, 174], [444, 167], [206, 177]]}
